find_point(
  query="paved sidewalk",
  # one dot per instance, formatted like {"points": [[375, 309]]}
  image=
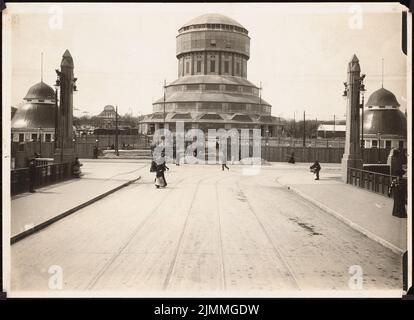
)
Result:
{"points": [[368, 212], [31, 209]]}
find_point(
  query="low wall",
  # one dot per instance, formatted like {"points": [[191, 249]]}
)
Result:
{"points": [[301, 154], [21, 152]]}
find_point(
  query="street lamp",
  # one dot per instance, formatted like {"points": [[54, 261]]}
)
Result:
{"points": [[379, 147], [40, 140], [56, 85], [362, 90]]}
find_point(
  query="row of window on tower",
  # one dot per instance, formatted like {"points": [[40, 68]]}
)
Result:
{"points": [[231, 88], [213, 26], [207, 41], [213, 107], [30, 137], [199, 64]]}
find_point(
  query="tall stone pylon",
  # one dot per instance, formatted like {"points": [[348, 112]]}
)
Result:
{"points": [[64, 151], [352, 157]]}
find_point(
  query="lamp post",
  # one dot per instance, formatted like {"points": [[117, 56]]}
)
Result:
{"points": [[57, 84], [362, 90], [116, 132], [379, 147], [61, 78], [165, 87], [40, 141]]}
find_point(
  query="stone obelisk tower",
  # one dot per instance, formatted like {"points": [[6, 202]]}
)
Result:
{"points": [[352, 157], [65, 148]]}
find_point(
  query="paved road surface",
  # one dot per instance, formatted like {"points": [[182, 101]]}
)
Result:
{"points": [[209, 232]]}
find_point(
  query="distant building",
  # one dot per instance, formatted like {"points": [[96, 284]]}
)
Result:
{"points": [[331, 131], [212, 90], [34, 119], [385, 126], [107, 117]]}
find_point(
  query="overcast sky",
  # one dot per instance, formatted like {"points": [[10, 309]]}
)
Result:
{"points": [[123, 52]]}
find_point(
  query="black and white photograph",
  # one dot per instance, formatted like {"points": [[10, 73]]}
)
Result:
{"points": [[216, 150]]}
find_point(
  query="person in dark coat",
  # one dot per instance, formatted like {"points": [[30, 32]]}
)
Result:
{"points": [[76, 168], [223, 160], [161, 167], [315, 168], [32, 175], [398, 189], [292, 158]]}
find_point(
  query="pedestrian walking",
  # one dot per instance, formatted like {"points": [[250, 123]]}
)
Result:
{"points": [[398, 189], [315, 168], [223, 161], [76, 168], [32, 175], [95, 152]]}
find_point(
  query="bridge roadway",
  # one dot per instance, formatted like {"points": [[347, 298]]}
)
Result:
{"points": [[210, 232]]}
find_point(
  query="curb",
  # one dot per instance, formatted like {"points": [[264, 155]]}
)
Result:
{"points": [[347, 221], [37, 228]]}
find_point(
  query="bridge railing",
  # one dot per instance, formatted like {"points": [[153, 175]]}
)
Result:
{"points": [[372, 181], [44, 175]]}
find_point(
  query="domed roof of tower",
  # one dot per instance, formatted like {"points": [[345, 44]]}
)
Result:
{"points": [[33, 115], [40, 91], [382, 97], [213, 18], [109, 108]]}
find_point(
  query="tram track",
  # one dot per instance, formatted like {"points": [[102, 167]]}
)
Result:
{"points": [[276, 251], [134, 233]]}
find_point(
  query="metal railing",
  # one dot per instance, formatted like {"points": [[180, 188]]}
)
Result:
{"points": [[44, 175], [372, 181]]}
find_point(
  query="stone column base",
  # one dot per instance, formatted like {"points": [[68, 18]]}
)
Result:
{"points": [[64, 155]]}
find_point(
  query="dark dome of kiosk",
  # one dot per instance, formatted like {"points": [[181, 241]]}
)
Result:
{"points": [[382, 97], [212, 18], [40, 91], [386, 122], [34, 116]]}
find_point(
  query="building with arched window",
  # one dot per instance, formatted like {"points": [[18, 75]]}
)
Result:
{"points": [[34, 119], [212, 90]]}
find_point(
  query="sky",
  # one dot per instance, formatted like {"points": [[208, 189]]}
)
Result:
{"points": [[123, 52]]}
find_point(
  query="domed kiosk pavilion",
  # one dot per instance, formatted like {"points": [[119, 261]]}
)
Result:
{"points": [[385, 126], [34, 119]]}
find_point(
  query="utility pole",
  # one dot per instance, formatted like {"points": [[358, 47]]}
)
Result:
{"points": [[362, 90], [165, 85], [116, 132], [294, 124], [304, 129]]}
